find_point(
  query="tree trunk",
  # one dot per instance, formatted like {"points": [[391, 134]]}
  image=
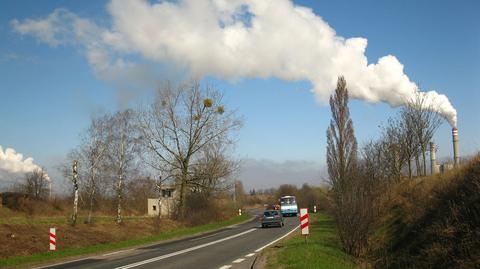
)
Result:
{"points": [[75, 187], [182, 199], [92, 195], [75, 207], [410, 168], [417, 164], [119, 197], [424, 162]]}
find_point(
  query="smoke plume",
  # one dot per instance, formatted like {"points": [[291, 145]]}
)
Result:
{"points": [[232, 39], [12, 162]]}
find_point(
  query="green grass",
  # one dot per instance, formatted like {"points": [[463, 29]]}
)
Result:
{"points": [[322, 250], [68, 252]]}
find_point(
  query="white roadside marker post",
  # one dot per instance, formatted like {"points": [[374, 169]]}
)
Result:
{"points": [[239, 211], [53, 239], [304, 222], [314, 209]]}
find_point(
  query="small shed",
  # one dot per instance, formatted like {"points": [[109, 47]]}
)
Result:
{"points": [[165, 205]]}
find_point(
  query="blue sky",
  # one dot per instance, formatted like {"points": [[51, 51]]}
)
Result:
{"points": [[49, 93]]}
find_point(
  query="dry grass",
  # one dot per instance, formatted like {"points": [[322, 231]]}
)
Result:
{"points": [[431, 222], [25, 232], [26, 239]]}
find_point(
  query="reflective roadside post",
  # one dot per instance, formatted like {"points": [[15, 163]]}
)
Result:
{"points": [[304, 222], [53, 239]]}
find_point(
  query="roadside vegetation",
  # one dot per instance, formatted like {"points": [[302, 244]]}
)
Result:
{"points": [[432, 222], [322, 250], [85, 239], [387, 209], [177, 147]]}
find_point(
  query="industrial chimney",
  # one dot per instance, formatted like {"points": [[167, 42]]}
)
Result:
{"points": [[433, 159], [456, 156]]}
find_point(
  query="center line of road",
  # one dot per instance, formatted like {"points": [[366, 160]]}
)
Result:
{"points": [[183, 251], [207, 236]]}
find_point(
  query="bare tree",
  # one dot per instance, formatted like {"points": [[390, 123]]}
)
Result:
{"points": [[122, 152], [424, 121], [178, 126], [373, 161], [69, 170], [394, 151], [353, 193], [212, 169], [409, 143], [136, 191], [239, 194], [92, 153], [36, 184], [286, 190]]}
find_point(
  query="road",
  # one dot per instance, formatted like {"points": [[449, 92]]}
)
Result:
{"points": [[234, 247]]}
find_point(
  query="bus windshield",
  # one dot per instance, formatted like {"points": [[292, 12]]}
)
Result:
{"points": [[287, 201]]}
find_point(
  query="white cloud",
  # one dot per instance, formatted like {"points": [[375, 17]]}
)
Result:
{"points": [[12, 162], [235, 39], [52, 30]]}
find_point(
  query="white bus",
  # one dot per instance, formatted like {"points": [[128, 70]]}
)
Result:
{"points": [[288, 206]]}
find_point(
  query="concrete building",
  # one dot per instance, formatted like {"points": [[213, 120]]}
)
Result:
{"points": [[446, 167], [165, 205]]}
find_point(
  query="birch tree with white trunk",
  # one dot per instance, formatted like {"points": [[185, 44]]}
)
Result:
{"points": [[122, 153]]}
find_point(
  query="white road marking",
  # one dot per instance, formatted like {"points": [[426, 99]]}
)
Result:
{"points": [[116, 252], [183, 251], [225, 267], [250, 255], [278, 239], [207, 236], [238, 260]]}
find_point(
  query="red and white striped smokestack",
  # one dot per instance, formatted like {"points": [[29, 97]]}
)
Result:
{"points": [[456, 156]]}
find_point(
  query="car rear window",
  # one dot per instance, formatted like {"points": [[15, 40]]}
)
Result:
{"points": [[270, 213]]}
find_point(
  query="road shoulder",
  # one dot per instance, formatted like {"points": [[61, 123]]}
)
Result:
{"points": [[321, 251]]}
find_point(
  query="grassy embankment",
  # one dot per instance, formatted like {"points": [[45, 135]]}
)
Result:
{"points": [[41, 257], [431, 222], [322, 250]]}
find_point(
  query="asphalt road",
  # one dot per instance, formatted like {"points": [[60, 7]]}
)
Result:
{"points": [[235, 247]]}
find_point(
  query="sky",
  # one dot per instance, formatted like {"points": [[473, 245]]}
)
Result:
{"points": [[94, 56]]}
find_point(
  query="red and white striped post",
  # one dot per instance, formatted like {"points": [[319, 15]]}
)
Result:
{"points": [[304, 222], [53, 239]]}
